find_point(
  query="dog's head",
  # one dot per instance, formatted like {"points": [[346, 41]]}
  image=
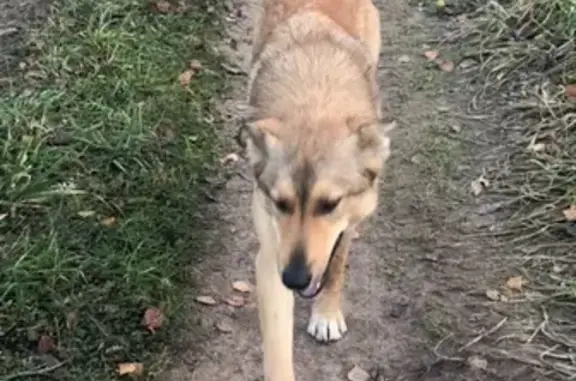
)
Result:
{"points": [[315, 187]]}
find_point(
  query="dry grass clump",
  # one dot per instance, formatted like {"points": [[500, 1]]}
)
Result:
{"points": [[526, 51]]}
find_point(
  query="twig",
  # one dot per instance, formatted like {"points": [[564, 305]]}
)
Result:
{"points": [[34, 372], [487, 333], [437, 353]]}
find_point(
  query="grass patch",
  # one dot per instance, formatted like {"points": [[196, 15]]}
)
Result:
{"points": [[102, 154], [526, 51]]}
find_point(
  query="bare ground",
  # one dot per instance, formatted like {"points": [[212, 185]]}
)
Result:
{"points": [[416, 301]]}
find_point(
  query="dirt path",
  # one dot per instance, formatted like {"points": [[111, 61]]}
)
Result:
{"points": [[416, 275]]}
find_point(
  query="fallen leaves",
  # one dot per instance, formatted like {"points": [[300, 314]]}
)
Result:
{"points": [[444, 65], [163, 6], [242, 286], [447, 66], [537, 147], [512, 285], [570, 91], [71, 320], [130, 368], [404, 58], [153, 319], [493, 295], [477, 362], [108, 221], [195, 65], [206, 300], [45, 344], [515, 283], [432, 55], [224, 327], [570, 213], [477, 186], [231, 158], [186, 77], [235, 301], [358, 374]]}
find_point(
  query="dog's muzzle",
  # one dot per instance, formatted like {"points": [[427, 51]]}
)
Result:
{"points": [[316, 285]]}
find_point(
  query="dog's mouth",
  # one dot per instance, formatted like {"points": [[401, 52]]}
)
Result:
{"points": [[316, 285]]}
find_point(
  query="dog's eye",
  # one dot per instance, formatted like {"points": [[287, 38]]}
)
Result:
{"points": [[284, 206], [326, 206]]}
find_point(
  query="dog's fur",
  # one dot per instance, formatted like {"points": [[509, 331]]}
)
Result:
{"points": [[316, 142]]}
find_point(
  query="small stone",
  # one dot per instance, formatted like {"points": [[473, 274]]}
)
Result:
{"points": [[456, 128], [358, 374], [493, 295], [224, 327], [477, 362], [404, 58]]}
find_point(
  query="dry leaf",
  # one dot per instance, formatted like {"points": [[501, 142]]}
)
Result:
{"points": [[447, 66], [467, 63], [108, 221], [236, 301], [515, 283], [186, 77], [404, 58], [131, 368], [570, 91], [242, 286], [195, 65], [3, 216], [224, 327], [86, 213], [153, 319], [358, 374], [45, 344], [160, 6], [537, 147], [493, 295], [231, 158], [431, 54], [456, 128], [206, 300], [570, 213], [477, 362], [71, 320], [478, 185]]}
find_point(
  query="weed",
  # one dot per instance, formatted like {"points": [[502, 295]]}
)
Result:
{"points": [[102, 153]]}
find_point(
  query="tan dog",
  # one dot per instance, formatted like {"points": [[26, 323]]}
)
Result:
{"points": [[317, 145]]}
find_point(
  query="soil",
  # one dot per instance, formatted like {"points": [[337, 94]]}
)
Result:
{"points": [[415, 299], [16, 17]]}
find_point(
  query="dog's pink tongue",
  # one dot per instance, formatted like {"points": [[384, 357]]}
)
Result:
{"points": [[310, 291]]}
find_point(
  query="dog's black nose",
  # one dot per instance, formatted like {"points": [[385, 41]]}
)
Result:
{"points": [[296, 276]]}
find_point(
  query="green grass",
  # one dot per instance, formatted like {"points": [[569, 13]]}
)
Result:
{"points": [[96, 126]]}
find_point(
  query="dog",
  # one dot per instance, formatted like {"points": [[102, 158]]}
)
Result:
{"points": [[316, 142]]}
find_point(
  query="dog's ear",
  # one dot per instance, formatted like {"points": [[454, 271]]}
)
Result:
{"points": [[372, 145], [260, 138]]}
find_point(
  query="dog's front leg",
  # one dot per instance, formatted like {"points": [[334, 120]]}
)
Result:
{"points": [[276, 313], [327, 321]]}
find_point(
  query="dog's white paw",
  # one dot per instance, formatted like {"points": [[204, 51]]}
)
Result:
{"points": [[327, 327]]}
